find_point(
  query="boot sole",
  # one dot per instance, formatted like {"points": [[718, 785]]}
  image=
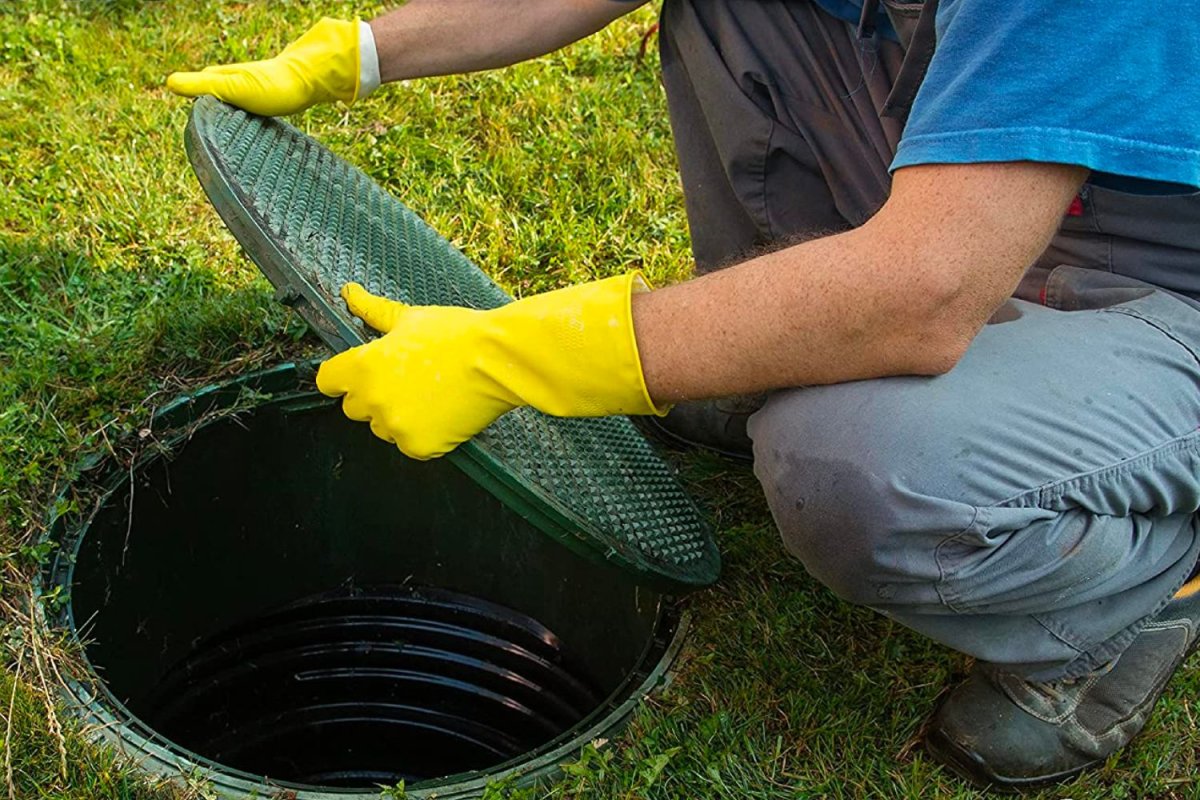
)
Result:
{"points": [[969, 766]]}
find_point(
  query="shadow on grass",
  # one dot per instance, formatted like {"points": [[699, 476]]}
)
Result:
{"points": [[85, 350]]}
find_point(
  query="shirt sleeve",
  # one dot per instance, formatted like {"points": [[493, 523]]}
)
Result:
{"points": [[1109, 86]]}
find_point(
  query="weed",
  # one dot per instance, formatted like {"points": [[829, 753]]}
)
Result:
{"points": [[396, 792]]}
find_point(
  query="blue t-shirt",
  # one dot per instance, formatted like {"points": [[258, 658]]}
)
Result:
{"points": [[1110, 86]]}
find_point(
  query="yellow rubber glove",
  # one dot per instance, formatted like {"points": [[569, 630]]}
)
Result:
{"points": [[440, 374], [321, 66]]}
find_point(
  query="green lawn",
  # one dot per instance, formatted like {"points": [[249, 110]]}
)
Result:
{"points": [[119, 288]]}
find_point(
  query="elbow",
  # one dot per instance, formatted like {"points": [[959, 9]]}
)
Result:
{"points": [[942, 325], [935, 294], [938, 352]]}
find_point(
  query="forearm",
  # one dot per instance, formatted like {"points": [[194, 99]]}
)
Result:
{"points": [[902, 295], [443, 37], [808, 314]]}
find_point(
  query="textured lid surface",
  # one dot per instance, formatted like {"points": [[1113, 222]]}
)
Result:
{"points": [[313, 222]]}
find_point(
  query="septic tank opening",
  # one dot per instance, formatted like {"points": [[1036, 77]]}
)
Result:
{"points": [[286, 600]]}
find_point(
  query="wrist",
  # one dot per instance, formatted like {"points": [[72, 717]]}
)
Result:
{"points": [[572, 352], [324, 62]]}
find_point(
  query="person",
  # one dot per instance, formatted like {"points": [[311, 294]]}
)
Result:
{"points": [[947, 295]]}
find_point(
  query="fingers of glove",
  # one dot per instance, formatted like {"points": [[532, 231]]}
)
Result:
{"points": [[336, 375], [190, 84], [233, 87], [380, 429], [378, 312], [421, 442], [243, 85], [231, 69], [357, 409], [417, 443], [423, 446]]}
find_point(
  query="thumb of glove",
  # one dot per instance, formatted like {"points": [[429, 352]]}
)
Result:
{"points": [[378, 312]]}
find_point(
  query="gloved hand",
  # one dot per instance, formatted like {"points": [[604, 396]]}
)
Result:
{"points": [[334, 60], [440, 375]]}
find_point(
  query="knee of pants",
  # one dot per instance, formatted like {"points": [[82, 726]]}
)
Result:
{"points": [[852, 512]]}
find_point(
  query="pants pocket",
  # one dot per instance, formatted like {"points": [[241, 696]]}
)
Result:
{"points": [[1151, 237]]}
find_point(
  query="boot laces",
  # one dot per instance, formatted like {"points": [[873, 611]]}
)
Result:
{"points": [[1061, 689]]}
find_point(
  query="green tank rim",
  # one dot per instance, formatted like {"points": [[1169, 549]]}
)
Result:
{"points": [[99, 711]]}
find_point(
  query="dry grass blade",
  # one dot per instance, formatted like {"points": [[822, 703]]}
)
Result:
{"points": [[48, 697], [8, 730]]}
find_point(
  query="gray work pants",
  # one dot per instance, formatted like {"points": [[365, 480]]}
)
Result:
{"points": [[1035, 505]]}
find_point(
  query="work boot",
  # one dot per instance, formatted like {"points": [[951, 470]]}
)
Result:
{"points": [[998, 729], [715, 425]]}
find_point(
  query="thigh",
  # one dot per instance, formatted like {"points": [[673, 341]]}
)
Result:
{"points": [[721, 225], [1051, 420], [1040, 395], [775, 107], [1047, 484]]}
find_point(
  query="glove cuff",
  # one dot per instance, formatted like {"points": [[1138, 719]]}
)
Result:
{"points": [[637, 284], [571, 352], [368, 61]]}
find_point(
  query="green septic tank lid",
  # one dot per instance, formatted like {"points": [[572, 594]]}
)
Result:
{"points": [[312, 222]]}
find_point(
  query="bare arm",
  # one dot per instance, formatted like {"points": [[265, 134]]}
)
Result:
{"points": [[444, 37], [904, 294]]}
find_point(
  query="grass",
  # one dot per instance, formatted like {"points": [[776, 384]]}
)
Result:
{"points": [[119, 287]]}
